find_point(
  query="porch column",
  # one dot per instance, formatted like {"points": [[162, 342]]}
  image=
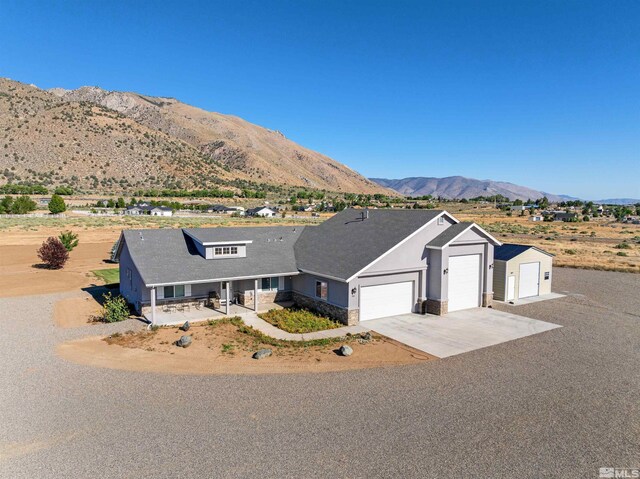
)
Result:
{"points": [[153, 305], [229, 296], [255, 295]]}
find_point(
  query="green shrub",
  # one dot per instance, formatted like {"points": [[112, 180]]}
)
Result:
{"points": [[57, 205], [115, 308], [622, 253], [623, 246], [69, 240]]}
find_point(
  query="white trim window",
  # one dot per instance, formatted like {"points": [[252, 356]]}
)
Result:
{"points": [[270, 284], [177, 291], [441, 220], [321, 290], [225, 251]]}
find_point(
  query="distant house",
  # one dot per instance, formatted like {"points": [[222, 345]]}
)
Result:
{"points": [[562, 216], [161, 211], [225, 210], [536, 218], [146, 209], [263, 211], [517, 208], [44, 201]]}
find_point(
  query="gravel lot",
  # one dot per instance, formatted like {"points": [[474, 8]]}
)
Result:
{"points": [[558, 404]]}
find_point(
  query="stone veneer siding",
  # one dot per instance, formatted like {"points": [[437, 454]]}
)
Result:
{"points": [[487, 299], [436, 306], [246, 299], [343, 315]]}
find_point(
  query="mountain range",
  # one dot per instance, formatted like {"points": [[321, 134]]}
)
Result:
{"points": [[459, 187], [108, 141]]}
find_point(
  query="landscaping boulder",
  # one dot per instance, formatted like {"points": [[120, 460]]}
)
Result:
{"points": [[263, 353], [184, 341], [185, 327], [366, 336], [345, 350]]}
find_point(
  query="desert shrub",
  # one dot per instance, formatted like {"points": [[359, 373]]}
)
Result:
{"points": [[622, 253], [20, 206], [571, 251], [296, 320], [114, 309], [69, 240], [57, 205], [53, 253], [63, 190], [623, 246]]}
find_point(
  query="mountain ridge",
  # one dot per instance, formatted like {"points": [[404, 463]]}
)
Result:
{"points": [[460, 187], [109, 140]]}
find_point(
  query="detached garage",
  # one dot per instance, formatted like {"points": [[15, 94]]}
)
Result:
{"points": [[521, 271]]}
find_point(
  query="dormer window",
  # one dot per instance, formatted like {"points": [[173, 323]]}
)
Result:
{"points": [[225, 251], [441, 220]]}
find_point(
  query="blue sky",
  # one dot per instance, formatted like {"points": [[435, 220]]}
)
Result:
{"points": [[543, 93]]}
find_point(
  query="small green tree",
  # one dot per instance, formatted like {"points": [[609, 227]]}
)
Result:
{"points": [[57, 205], [23, 205], [115, 308], [120, 203], [6, 205], [69, 240]]}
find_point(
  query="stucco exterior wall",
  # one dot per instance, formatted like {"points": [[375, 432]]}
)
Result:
{"points": [[337, 291], [131, 288], [512, 267]]}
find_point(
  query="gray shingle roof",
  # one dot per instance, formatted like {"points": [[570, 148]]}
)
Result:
{"points": [[447, 235], [170, 256], [510, 250], [345, 244]]}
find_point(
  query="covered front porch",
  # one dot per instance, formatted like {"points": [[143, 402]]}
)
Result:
{"points": [[193, 315], [177, 303]]}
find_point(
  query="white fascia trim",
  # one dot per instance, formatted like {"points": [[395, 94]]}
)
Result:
{"points": [[221, 280], [213, 243], [472, 225], [435, 218], [314, 273]]}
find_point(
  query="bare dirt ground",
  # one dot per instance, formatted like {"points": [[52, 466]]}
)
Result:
{"points": [[224, 350], [21, 273], [75, 312]]}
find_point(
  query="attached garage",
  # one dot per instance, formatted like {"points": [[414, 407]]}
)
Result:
{"points": [[521, 271], [464, 281], [386, 300]]}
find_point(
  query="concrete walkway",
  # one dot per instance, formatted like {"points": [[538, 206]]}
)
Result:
{"points": [[252, 319], [457, 332], [534, 299]]}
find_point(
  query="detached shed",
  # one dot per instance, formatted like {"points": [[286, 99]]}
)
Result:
{"points": [[521, 271]]}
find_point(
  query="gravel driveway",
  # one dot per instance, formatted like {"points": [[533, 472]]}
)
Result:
{"points": [[557, 404]]}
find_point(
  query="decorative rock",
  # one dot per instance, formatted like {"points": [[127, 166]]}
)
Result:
{"points": [[366, 336], [263, 353], [184, 341], [345, 350], [185, 327]]}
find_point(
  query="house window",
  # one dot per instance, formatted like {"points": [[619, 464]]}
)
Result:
{"points": [[270, 284], [546, 275], [174, 291], [321, 290], [225, 250], [441, 220]]}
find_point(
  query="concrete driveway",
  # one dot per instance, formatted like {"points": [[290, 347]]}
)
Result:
{"points": [[457, 332]]}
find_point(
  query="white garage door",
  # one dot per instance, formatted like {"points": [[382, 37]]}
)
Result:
{"points": [[386, 300], [464, 282], [529, 280]]}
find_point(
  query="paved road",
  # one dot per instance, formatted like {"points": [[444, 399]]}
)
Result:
{"points": [[557, 404]]}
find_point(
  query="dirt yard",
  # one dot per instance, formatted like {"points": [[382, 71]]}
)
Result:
{"points": [[224, 349], [21, 273], [76, 312]]}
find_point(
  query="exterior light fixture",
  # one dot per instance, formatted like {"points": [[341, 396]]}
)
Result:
{"points": [[353, 291], [446, 271]]}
